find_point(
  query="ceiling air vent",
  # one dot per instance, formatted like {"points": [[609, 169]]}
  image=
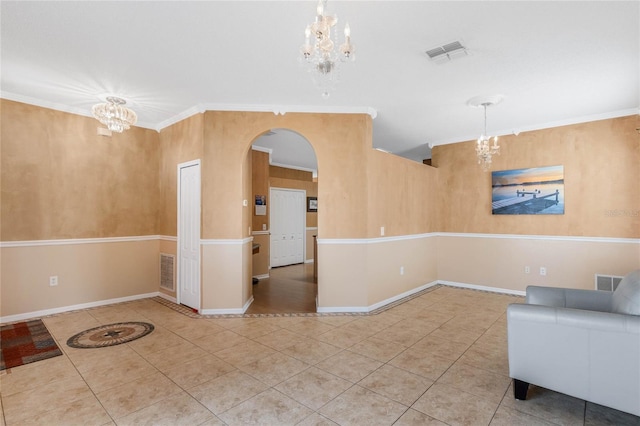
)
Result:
{"points": [[447, 52]]}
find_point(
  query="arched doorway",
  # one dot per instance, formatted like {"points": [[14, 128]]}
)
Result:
{"points": [[284, 184]]}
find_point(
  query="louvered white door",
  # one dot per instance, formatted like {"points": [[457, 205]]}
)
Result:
{"points": [[287, 223]]}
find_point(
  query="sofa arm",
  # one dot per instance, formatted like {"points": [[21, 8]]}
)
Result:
{"points": [[590, 355], [592, 300]]}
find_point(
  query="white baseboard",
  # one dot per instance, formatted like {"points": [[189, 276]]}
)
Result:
{"points": [[46, 312], [167, 297], [233, 311], [365, 309], [309, 261], [483, 288], [261, 277]]}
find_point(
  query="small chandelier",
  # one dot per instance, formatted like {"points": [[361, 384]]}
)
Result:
{"points": [[318, 51], [484, 148], [114, 114]]}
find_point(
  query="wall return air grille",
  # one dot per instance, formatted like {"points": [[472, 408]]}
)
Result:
{"points": [[167, 268], [607, 282]]}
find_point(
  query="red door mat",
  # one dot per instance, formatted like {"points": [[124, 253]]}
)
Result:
{"points": [[26, 342]]}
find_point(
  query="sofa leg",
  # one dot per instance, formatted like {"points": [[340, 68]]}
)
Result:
{"points": [[520, 389]]}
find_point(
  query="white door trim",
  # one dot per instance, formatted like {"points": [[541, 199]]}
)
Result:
{"points": [[179, 237]]}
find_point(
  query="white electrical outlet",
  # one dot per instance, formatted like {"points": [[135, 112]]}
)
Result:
{"points": [[527, 270], [402, 270], [53, 280], [382, 231], [543, 270]]}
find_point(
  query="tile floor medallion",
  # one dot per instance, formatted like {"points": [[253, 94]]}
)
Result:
{"points": [[110, 335]]}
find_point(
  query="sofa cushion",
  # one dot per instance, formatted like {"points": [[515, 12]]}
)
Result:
{"points": [[626, 298]]}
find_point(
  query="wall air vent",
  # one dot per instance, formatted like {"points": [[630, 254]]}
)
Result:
{"points": [[167, 268], [607, 282], [447, 52]]}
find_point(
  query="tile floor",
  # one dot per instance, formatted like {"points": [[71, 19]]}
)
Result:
{"points": [[439, 358]]}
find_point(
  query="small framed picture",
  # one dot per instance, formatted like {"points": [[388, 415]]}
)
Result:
{"points": [[312, 204]]}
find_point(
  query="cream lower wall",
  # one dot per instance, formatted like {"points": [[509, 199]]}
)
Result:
{"points": [[87, 273], [226, 275], [498, 261], [359, 274]]}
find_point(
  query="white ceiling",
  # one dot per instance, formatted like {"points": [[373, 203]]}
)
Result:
{"points": [[554, 62]]}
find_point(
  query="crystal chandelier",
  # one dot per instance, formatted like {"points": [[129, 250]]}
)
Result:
{"points": [[319, 53], [485, 149], [114, 114]]}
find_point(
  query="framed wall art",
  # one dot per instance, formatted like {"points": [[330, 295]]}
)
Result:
{"points": [[538, 190]]}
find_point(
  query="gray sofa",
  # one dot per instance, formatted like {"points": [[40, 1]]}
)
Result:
{"points": [[583, 343]]}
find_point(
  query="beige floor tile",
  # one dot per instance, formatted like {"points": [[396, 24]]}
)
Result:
{"points": [[192, 329], [227, 391], [598, 415], [220, 341], [341, 338], [548, 405], [141, 393], [174, 356], [86, 412], [158, 340], [350, 366], [316, 420], [63, 326], [416, 418], [180, 409], [396, 384], [476, 381], [441, 347], [33, 402], [368, 326], [378, 349], [280, 339], [267, 408], [197, 371], [309, 327], [455, 407], [255, 329], [118, 371], [36, 374], [274, 368], [456, 334], [314, 387], [403, 334], [494, 359], [338, 320], [244, 353], [360, 406], [506, 416], [422, 363], [311, 351], [213, 422], [93, 358]]}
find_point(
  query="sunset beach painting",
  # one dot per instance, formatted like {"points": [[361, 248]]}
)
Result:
{"points": [[537, 190]]}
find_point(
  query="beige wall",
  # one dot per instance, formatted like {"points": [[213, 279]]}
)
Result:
{"points": [[602, 200], [601, 174], [61, 180]]}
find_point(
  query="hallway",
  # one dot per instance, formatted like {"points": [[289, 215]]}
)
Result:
{"points": [[289, 289]]}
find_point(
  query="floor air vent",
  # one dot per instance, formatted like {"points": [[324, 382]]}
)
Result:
{"points": [[607, 282], [167, 268]]}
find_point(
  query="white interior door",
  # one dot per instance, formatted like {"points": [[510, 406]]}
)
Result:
{"points": [[189, 234], [287, 224]]}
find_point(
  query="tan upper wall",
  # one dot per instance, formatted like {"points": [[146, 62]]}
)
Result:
{"points": [[179, 143], [601, 177], [401, 196], [61, 180], [340, 141]]}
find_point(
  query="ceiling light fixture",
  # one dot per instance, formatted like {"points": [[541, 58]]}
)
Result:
{"points": [[484, 148], [319, 51], [114, 114]]}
